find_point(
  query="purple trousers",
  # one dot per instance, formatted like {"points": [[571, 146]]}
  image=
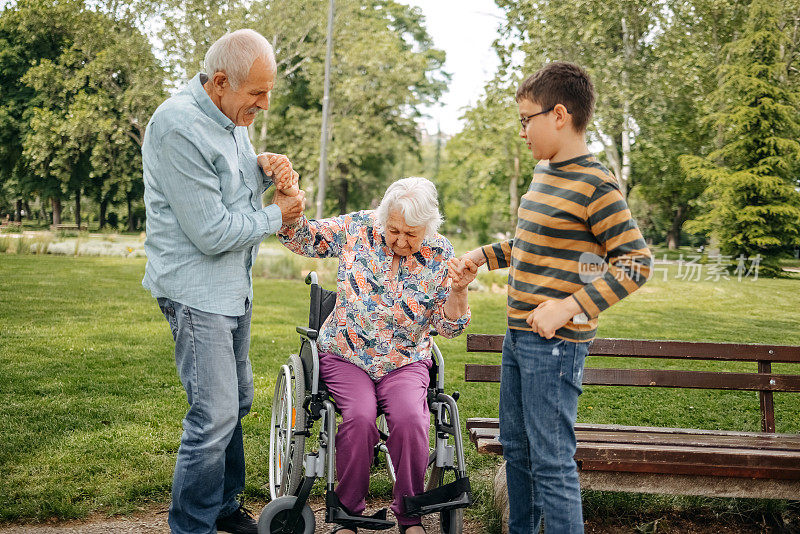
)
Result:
{"points": [[401, 396]]}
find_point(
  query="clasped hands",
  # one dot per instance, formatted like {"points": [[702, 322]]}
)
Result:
{"points": [[461, 271], [288, 196]]}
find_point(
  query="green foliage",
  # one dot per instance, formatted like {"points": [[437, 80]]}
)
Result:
{"points": [[83, 86], [752, 195], [484, 164], [384, 67]]}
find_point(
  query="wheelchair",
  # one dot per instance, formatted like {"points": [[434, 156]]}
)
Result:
{"points": [[301, 400]]}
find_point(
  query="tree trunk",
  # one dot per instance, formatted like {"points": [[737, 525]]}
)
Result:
{"points": [[78, 208], [262, 140], [103, 209], [18, 211], [131, 222], [28, 212], [628, 51], [343, 192], [56, 210], [674, 233]]}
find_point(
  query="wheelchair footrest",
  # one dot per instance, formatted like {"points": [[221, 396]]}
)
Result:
{"points": [[336, 512], [454, 495]]}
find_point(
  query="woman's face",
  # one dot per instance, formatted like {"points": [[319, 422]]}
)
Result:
{"points": [[404, 240]]}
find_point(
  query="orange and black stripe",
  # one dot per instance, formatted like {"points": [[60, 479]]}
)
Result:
{"points": [[572, 215]]}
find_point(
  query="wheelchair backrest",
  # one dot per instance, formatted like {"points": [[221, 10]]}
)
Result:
{"points": [[322, 304]]}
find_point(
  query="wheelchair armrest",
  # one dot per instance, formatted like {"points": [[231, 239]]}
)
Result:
{"points": [[309, 333]]}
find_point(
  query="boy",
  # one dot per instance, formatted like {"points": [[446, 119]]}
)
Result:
{"points": [[576, 252]]}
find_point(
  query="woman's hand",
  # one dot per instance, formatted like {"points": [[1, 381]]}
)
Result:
{"points": [[280, 169], [462, 272]]}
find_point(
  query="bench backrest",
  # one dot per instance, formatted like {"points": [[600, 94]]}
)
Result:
{"points": [[763, 380]]}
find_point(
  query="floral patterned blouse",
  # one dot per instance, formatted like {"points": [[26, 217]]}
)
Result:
{"points": [[381, 322]]}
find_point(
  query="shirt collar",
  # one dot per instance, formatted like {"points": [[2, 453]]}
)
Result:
{"points": [[206, 104]]}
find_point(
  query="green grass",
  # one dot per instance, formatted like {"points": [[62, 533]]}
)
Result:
{"points": [[90, 403]]}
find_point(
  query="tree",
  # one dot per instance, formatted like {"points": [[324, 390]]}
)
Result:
{"points": [[487, 166], [754, 201], [384, 69], [611, 40], [670, 121], [82, 105], [31, 31]]}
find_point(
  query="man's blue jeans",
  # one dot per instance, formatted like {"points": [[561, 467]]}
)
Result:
{"points": [[211, 356], [539, 388]]}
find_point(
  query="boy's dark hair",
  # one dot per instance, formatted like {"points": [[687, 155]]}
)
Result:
{"points": [[563, 83]]}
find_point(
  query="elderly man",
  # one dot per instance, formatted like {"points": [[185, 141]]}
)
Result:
{"points": [[205, 220]]}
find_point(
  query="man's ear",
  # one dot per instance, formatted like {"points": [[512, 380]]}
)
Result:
{"points": [[219, 81], [562, 115]]}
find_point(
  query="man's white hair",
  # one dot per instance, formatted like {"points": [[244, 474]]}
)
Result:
{"points": [[416, 199], [234, 54]]}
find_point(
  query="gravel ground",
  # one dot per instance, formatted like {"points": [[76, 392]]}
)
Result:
{"points": [[154, 521]]}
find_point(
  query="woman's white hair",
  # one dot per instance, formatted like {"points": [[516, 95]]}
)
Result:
{"points": [[416, 199], [234, 54]]}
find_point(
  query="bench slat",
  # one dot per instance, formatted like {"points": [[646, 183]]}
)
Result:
{"points": [[631, 457], [695, 470], [667, 378], [639, 348], [755, 443]]}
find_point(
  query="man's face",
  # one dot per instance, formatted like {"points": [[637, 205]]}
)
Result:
{"points": [[242, 105], [404, 240], [539, 133]]}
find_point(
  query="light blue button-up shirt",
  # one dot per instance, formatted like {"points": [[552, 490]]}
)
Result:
{"points": [[202, 191]]}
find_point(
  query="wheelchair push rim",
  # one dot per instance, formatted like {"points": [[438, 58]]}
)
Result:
{"points": [[286, 446]]}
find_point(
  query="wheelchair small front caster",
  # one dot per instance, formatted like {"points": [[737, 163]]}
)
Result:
{"points": [[276, 518]]}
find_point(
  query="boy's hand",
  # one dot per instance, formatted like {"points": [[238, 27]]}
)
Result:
{"points": [[551, 315], [280, 169], [461, 272], [475, 256]]}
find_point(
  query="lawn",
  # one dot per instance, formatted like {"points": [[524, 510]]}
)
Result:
{"points": [[90, 403]]}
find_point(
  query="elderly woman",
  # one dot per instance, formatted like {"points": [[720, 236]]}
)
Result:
{"points": [[394, 285]]}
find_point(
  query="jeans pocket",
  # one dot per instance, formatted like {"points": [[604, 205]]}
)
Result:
{"points": [[168, 309], [579, 351]]}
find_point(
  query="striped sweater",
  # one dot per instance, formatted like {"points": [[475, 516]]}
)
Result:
{"points": [[575, 236]]}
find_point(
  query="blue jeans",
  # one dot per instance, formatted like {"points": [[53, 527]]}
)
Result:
{"points": [[539, 388], [211, 357]]}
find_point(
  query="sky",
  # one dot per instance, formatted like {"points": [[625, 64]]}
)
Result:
{"points": [[465, 30]]}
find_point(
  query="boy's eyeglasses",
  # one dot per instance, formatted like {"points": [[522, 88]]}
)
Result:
{"points": [[524, 120]]}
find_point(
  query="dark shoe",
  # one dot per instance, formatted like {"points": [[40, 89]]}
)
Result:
{"points": [[239, 522]]}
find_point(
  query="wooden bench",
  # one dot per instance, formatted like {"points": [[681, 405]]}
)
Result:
{"points": [[68, 227], [674, 460]]}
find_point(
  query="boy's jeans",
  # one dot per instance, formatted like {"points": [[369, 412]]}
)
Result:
{"points": [[539, 389], [211, 356]]}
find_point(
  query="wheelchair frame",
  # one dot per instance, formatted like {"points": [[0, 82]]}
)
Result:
{"points": [[288, 512]]}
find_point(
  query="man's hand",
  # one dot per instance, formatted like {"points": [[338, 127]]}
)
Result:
{"points": [[291, 206], [280, 169], [461, 272], [551, 315]]}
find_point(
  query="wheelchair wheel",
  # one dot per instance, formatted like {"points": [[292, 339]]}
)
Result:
{"points": [[275, 516], [450, 521], [286, 446]]}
